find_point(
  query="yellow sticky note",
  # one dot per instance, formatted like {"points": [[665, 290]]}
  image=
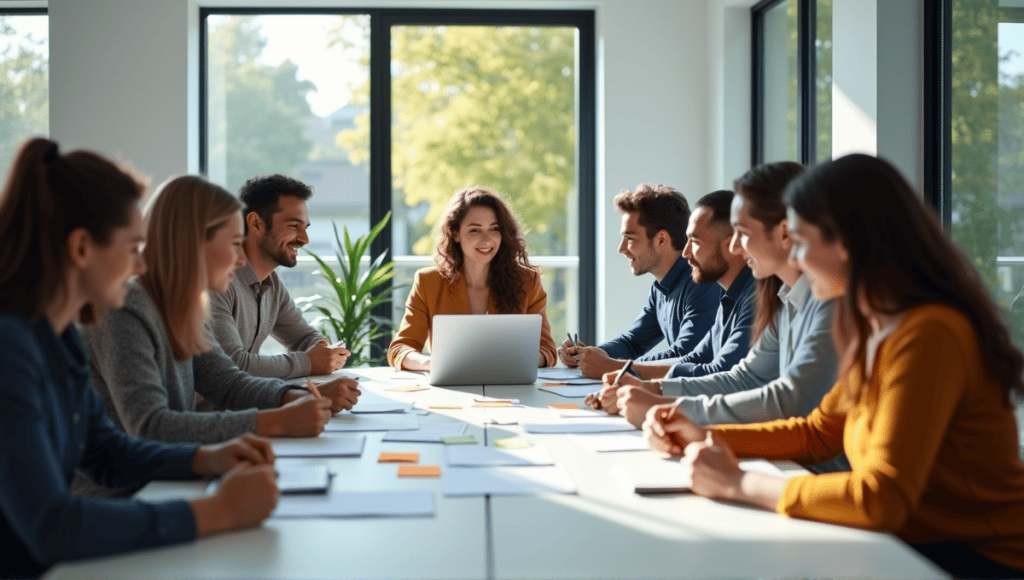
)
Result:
{"points": [[564, 406], [419, 471], [398, 457], [492, 404], [445, 407], [512, 443]]}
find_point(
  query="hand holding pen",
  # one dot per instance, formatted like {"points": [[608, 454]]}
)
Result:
{"points": [[570, 351], [606, 397]]}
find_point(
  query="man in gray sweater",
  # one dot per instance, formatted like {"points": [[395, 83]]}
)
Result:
{"points": [[257, 304]]}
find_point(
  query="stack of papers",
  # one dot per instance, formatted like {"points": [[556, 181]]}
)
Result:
{"points": [[383, 407], [559, 374], [357, 504], [326, 445]]}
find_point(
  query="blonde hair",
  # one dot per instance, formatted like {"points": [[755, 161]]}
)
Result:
{"points": [[186, 212]]}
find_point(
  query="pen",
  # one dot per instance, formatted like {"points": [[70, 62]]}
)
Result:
{"points": [[618, 377], [575, 341], [312, 389]]}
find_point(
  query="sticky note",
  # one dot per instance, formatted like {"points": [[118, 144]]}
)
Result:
{"points": [[398, 457], [445, 407], [564, 406], [459, 440], [512, 443], [419, 471], [408, 389], [491, 405]]}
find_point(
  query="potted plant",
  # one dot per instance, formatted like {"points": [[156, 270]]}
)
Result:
{"points": [[347, 314]]}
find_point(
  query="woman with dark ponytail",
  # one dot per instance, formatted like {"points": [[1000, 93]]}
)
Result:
{"points": [[71, 236]]}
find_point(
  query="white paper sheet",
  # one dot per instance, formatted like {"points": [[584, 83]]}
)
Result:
{"points": [[559, 374], [476, 481], [613, 425], [572, 391], [479, 456], [326, 445], [586, 413], [378, 422], [357, 504], [321, 379], [672, 476], [428, 432], [381, 407], [612, 442]]}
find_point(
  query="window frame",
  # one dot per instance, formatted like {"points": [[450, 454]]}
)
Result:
{"points": [[806, 80], [381, 21]]}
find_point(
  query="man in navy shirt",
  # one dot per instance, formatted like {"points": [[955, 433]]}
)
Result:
{"points": [[707, 248], [678, 311]]}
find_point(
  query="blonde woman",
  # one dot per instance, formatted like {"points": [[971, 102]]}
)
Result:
{"points": [[152, 356]]}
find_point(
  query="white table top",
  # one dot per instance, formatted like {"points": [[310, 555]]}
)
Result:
{"points": [[602, 532]]}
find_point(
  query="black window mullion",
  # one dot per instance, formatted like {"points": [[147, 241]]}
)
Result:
{"points": [[806, 85], [938, 36], [380, 151]]}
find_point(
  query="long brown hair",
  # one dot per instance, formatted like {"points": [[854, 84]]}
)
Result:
{"points": [[506, 274], [185, 213], [899, 257], [762, 188], [46, 197]]}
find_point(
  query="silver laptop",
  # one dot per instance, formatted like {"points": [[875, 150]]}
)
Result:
{"points": [[484, 349]]}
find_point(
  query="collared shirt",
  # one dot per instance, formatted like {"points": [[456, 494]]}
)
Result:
{"points": [[243, 317], [51, 422], [786, 373], [729, 339], [678, 311]]}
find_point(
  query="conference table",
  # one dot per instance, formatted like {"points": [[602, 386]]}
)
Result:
{"points": [[603, 530]]}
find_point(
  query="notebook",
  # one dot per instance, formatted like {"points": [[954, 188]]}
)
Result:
{"points": [[484, 349]]}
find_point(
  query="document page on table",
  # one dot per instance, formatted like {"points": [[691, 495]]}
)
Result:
{"points": [[372, 422], [476, 481], [326, 445], [357, 504], [611, 425]]}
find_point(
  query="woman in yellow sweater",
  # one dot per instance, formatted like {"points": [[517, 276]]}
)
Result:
{"points": [[482, 267], [923, 404]]}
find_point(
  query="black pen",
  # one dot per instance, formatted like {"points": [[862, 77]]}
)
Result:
{"points": [[575, 341], [618, 377]]}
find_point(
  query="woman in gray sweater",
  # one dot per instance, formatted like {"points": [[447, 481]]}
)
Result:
{"points": [[150, 358]]}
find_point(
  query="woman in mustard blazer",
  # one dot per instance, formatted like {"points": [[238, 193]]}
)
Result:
{"points": [[482, 267]]}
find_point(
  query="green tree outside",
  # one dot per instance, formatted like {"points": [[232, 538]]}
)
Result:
{"points": [[24, 84], [257, 112]]}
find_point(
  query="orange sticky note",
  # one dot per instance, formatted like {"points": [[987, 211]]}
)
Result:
{"points": [[491, 405], [398, 457], [564, 406], [419, 471], [556, 384], [445, 407], [408, 389]]}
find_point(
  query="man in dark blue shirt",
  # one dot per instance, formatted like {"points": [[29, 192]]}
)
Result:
{"points": [[678, 311], [707, 248]]}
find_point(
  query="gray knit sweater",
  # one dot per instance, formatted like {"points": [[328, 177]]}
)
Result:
{"points": [[149, 394]]}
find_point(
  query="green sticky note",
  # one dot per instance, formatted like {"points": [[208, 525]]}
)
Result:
{"points": [[459, 440]]}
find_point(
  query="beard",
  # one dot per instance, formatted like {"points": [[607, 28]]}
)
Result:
{"points": [[278, 253], [712, 271]]}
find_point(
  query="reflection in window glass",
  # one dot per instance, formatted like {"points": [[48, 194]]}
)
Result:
{"points": [[24, 82], [280, 91], [493, 106], [781, 73], [823, 81], [987, 146]]}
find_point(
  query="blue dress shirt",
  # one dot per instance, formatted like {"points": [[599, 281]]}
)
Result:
{"points": [[678, 310], [52, 422], [729, 339]]}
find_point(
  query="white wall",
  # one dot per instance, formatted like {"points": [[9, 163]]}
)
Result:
{"points": [[124, 82]]}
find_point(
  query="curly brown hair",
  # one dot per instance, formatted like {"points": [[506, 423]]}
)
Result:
{"points": [[509, 265]]}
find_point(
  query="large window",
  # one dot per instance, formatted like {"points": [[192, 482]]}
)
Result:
{"points": [[24, 80], [392, 110], [792, 80]]}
